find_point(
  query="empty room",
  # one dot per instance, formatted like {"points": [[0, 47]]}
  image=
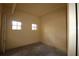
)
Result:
{"points": [[33, 29]]}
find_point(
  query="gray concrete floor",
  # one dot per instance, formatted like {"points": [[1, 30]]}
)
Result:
{"points": [[37, 49]]}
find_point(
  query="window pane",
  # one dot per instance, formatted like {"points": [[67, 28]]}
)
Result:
{"points": [[19, 23], [19, 27], [34, 26], [14, 23], [14, 27]]}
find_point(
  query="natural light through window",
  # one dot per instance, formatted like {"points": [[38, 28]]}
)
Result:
{"points": [[34, 26], [16, 25]]}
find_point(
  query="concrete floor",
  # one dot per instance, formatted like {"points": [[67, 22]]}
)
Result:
{"points": [[37, 49]]}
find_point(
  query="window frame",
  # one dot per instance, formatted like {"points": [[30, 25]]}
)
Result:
{"points": [[17, 25]]}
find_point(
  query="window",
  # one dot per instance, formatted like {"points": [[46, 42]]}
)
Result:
{"points": [[34, 26], [16, 25]]}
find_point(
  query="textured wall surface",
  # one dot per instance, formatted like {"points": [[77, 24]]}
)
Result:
{"points": [[17, 38], [54, 29]]}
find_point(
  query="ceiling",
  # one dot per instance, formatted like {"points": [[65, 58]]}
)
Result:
{"points": [[7, 7], [38, 9]]}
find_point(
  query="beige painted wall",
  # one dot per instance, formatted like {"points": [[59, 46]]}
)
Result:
{"points": [[54, 29], [24, 36]]}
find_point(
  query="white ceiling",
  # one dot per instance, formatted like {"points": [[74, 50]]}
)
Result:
{"points": [[38, 9]]}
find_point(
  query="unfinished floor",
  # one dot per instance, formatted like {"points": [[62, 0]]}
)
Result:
{"points": [[38, 49]]}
